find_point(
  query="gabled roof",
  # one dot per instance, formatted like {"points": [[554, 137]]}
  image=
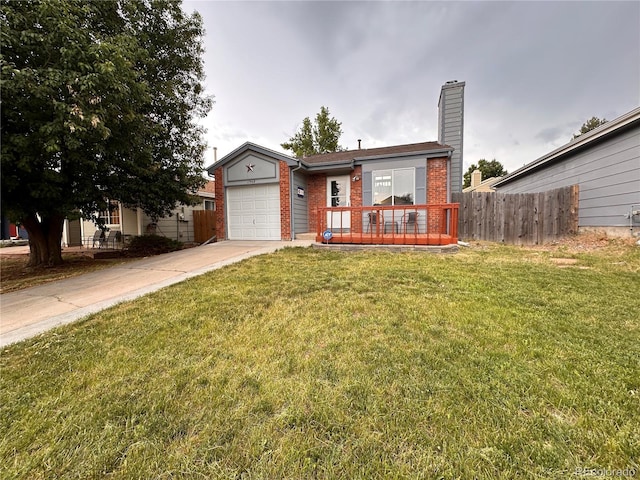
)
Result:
{"points": [[347, 156], [595, 135], [249, 146], [489, 182]]}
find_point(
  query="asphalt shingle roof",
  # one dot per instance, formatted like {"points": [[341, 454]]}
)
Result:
{"points": [[348, 155]]}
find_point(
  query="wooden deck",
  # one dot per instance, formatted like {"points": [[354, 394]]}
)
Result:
{"points": [[389, 225], [365, 239]]}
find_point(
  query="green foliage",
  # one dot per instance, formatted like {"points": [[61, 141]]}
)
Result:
{"points": [[99, 101], [488, 169], [320, 137], [592, 123], [148, 245]]}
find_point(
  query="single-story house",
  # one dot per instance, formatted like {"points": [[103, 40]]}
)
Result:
{"points": [[381, 192], [480, 185], [604, 163], [132, 222]]}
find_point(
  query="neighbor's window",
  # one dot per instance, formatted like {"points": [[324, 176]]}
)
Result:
{"points": [[394, 187], [209, 204], [112, 215]]}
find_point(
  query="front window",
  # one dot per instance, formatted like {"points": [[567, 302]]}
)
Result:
{"points": [[394, 187], [112, 215]]}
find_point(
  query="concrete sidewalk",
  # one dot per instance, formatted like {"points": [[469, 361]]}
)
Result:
{"points": [[29, 312]]}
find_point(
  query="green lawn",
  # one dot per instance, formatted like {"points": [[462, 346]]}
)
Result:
{"points": [[495, 362]]}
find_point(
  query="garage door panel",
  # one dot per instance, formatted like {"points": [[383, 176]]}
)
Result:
{"points": [[254, 212]]}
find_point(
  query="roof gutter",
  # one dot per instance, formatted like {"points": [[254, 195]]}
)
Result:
{"points": [[352, 162], [584, 139], [429, 153]]}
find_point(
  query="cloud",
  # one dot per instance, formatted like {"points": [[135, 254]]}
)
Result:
{"points": [[552, 134], [534, 71]]}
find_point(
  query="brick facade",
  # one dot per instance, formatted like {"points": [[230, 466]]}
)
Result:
{"points": [[436, 188], [437, 180], [285, 201], [356, 199], [317, 187], [220, 205]]}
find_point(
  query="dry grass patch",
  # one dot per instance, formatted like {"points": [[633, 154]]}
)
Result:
{"points": [[15, 275]]}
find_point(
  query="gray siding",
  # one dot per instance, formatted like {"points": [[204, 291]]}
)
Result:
{"points": [[367, 188], [451, 129], [175, 229], [421, 184], [300, 205], [608, 174]]}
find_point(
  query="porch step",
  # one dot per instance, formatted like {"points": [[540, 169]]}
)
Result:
{"points": [[306, 236]]}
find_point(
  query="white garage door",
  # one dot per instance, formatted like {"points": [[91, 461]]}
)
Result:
{"points": [[253, 212]]}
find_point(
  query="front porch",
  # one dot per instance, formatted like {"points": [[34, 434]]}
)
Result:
{"points": [[433, 224]]}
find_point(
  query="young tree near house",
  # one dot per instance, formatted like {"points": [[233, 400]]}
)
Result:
{"points": [[593, 122], [320, 137], [99, 103], [488, 169]]}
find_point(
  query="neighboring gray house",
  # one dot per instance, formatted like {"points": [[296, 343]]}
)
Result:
{"points": [[605, 163]]}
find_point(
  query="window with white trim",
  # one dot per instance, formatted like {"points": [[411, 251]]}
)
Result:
{"points": [[394, 187], [112, 215]]}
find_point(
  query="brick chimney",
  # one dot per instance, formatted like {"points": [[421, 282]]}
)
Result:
{"points": [[451, 128]]}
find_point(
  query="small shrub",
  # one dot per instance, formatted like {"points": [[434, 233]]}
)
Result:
{"points": [[148, 245]]}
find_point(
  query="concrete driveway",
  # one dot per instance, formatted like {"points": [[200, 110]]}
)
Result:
{"points": [[29, 312]]}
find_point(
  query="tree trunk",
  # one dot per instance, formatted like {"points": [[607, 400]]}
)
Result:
{"points": [[45, 240]]}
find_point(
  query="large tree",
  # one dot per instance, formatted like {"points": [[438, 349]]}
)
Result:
{"points": [[593, 122], [488, 169], [99, 102], [321, 136]]}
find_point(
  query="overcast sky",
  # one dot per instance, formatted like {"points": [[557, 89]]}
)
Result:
{"points": [[534, 71]]}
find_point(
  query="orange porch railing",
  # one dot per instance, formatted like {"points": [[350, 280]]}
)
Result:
{"points": [[434, 224]]}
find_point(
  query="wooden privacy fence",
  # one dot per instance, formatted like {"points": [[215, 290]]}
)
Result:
{"points": [[518, 218], [204, 225]]}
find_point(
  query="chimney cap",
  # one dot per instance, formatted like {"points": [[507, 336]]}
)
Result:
{"points": [[359, 140]]}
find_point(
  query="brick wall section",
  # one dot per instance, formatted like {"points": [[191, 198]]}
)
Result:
{"points": [[285, 202], [436, 189], [220, 206], [317, 191], [209, 187], [317, 188], [437, 180], [356, 199]]}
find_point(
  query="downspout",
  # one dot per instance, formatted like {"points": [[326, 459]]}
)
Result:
{"points": [[353, 167], [450, 160], [633, 213], [449, 177], [292, 220]]}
